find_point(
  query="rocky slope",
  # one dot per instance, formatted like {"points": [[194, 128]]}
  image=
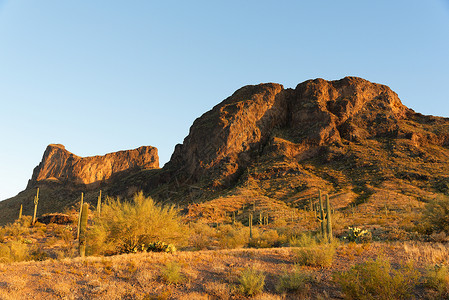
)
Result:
{"points": [[267, 144]]}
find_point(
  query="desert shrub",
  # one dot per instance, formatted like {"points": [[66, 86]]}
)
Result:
{"points": [[65, 234], [318, 256], [18, 228], [296, 281], [129, 226], [38, 254], [375, 279], [202, 236], [251, 282], [2, 234], [231, 237], [435, 216], [4, 253], [266, 239], [14, 251], [305, 239], [437, 279], [25, 221], [171, 273], [358, 235]]}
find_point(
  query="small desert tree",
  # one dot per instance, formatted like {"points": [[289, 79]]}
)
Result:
{"points": [[130, 226], [436, 215]]}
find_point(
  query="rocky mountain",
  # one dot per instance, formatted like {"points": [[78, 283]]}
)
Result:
{"points": [[61, 166], [351, 138], [317, 113]]}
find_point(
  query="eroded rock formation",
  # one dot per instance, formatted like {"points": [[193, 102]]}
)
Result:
{"points": [[62, 166], [295, 123]]}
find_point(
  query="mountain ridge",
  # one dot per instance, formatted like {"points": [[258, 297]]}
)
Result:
{"points": [[349, 137]]}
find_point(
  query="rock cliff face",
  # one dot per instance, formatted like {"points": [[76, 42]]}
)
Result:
{"points": [[59, 165], [295, 123]]}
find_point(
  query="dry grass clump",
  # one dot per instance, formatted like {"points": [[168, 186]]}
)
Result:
{"points": [[375, 279], [319, 256], [171, 273], [437, 279], [304, 239], [14, 251], [296, 281], [427, 253], [251, 281]]}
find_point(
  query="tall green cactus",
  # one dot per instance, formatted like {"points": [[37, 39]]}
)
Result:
{"points": [[99, 204], [322, 216], [250, 221], [20, 211], [83, 229], [329, 219], [36, 201], [79, 216]]}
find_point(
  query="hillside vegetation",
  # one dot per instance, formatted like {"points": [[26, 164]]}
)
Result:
{"points": [[226, 259]]}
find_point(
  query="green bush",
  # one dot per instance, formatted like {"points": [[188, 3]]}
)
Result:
{"points": [[436, 215], [437, 279], [14, 251], [251, 282], [231, 237], [265, 239], [319, 256], [305, 239], [18, 228], [125, 227], [296, 281], [5, 253], [202, 236], [375, 279], [171, 273]]}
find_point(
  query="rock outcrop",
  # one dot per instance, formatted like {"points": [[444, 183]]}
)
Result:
{"points": [[62, 166], [223, 141]]}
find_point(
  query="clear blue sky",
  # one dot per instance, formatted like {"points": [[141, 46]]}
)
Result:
{"points": [[102, 76]]}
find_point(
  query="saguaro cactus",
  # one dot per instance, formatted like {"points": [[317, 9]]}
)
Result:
{"points": [[20, 211], [36, 201], [250, 221], [79, 215], [329, 219], [83, 228], [322, 216], [99, 204]]}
